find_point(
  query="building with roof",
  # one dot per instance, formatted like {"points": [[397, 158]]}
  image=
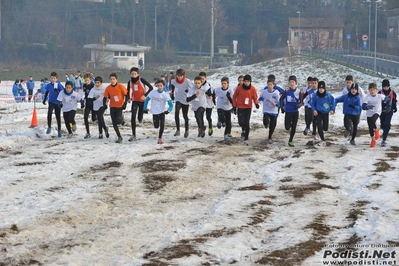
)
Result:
{"points": [[120, 56], [316, 33]]}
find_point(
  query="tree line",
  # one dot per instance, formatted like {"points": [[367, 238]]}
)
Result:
{"points": [[53, 32]]}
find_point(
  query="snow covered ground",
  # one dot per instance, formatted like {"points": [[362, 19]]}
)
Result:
{"points": [[198, 201]]}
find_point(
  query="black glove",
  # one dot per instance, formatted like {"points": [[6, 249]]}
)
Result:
{"points": [[172, 96], [394, 110], [166, 112], [44, 102], [145, 111], [105, 107], [282, 109], [228, 94], [56, 90], [209, 92], [234, 109], [257, 106], [352, 106], [60, 105], [186, 91], [124, 106], [82, 105]]}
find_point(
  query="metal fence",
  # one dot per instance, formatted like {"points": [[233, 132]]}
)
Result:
{"points": [[342, 56]]}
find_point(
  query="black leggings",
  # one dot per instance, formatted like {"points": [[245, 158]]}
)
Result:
{"points": [[116, 116], [290, 122], [385, 120], [30, 93], [371, 122], [100, 118], [159, 122], [309, 119], [322, 121], [137, 108], [244, 117], [57, 110], [199, 117], [350, 123], [225, 117], [271, 122], [87, 111], [209, 116], [69, 118], [184, 108]]}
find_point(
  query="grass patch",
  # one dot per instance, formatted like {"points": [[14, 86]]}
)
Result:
{"points": [[286, 179], [350, 243], [155, 182], [301, 191], [199, 151], [288, 165], [260, 216], [152, 166], [29, 163], [321, 175], [342, 152], [292, 255], [254, 187], [297, 154], [106, 166], [298, 253], [382, 166], [320, 229], [374, 186]]}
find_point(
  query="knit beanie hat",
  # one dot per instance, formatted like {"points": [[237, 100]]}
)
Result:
{"points": [[321, 85], [248, 77], [385, 83], [292, 78]]}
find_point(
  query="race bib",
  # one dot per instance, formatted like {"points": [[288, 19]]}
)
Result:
{"points": [[116, 99], [246, 101], [136, 87]]}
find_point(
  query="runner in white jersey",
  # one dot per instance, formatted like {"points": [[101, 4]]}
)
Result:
{"points": [[181, 86]]}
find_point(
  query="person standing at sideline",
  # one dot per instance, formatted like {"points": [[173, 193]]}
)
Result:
{"points": [[31, 86], [52, 90], [115, 93]]}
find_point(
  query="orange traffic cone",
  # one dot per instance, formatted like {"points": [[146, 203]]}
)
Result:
{"points": [[34, 119]]}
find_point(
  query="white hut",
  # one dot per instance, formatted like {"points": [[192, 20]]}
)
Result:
{"points": [[121, 56]]}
